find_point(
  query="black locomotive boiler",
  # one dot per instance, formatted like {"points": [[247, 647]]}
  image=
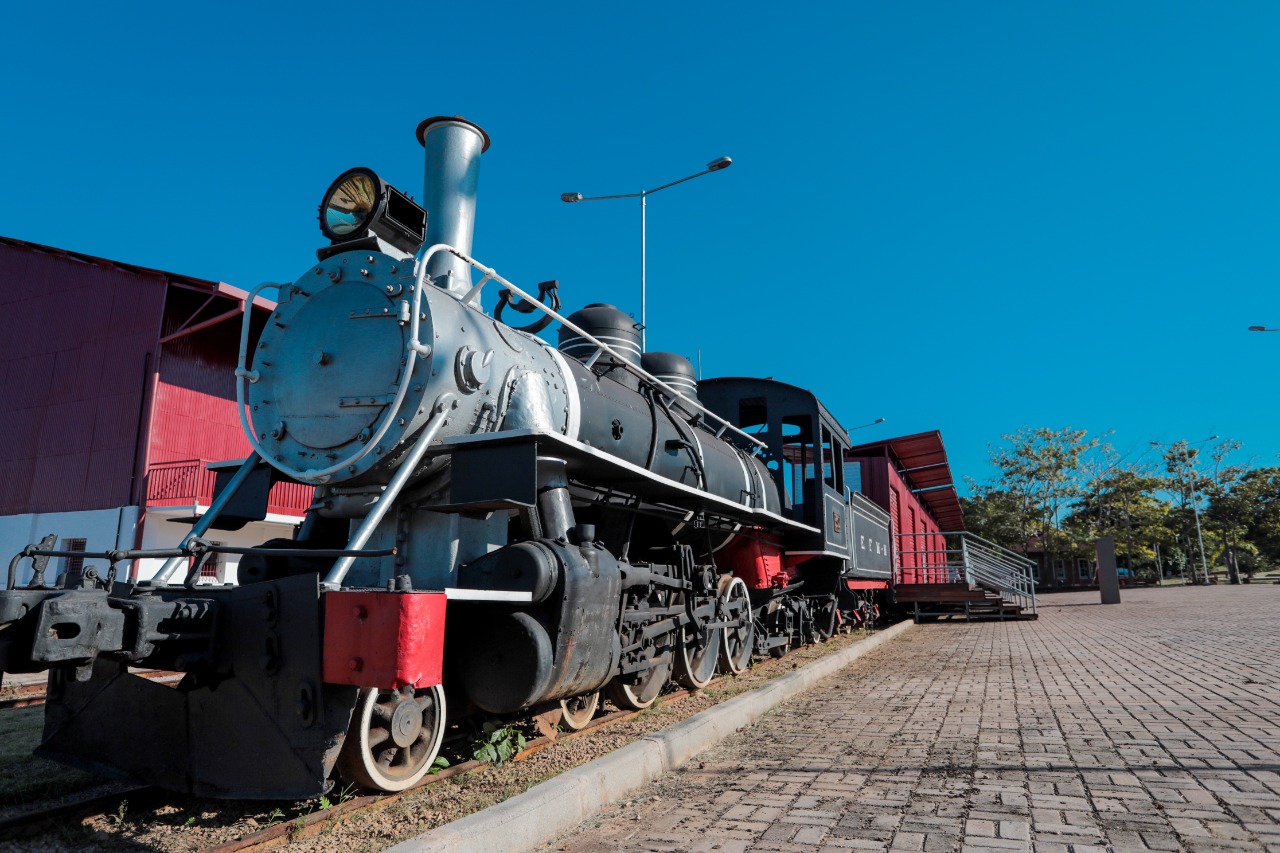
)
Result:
{"points": [[509, 524]]}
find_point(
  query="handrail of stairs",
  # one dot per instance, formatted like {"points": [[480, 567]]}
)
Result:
{"points": [[979, 562], [1007, 573]]}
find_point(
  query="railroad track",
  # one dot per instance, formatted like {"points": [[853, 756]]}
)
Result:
{"points": [[26, 695], [313, 824], [108, 801], [304, 826]]}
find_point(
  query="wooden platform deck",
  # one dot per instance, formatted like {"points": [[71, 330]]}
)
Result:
{"points": [[951, 600]]}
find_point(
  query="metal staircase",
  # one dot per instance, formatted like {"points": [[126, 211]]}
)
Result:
{"points": [[970, 577]]}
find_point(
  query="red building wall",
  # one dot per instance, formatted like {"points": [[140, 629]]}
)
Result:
{"points": [[195, 415], [107, 370], [78, 338]]}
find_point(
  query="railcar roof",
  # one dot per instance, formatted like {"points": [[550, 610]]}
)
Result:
{"points": [[921, 459]]}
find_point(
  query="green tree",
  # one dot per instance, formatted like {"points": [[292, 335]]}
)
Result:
{"points": [[997, 516], [1190, 476], [1248, 512], [1125, 506], [1042, 471]]}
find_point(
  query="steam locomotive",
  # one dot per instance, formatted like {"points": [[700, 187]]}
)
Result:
{"points": [[519, 527]]}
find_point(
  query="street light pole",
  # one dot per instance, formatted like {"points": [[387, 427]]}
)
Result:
{"points": [[644, 267], [714, 166]]}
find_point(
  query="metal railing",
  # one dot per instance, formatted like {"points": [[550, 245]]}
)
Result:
{"points": [[189, 482], [415, 349], [966, 558]]}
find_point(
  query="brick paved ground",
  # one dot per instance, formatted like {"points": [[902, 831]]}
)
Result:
{"points": [[1153, 724]]}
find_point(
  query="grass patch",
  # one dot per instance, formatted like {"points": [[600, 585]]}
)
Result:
{"points": [[24, 777]]}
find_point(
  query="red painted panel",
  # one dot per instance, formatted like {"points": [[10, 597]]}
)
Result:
{"points": [[192, 424], [867, 584], [757, 562], [380, 639], [290, 498], [189, 481], [918, 548], [895, 527]]}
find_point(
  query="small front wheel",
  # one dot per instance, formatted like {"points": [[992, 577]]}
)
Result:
{"points": [[394, 737]]}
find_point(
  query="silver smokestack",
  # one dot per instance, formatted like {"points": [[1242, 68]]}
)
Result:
{"points": [[453, 148]]}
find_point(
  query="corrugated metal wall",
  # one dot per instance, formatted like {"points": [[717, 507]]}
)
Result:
{"points": [[195, 411], [76, 340]]}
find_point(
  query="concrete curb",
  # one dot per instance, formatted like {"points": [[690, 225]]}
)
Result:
{"points": [[558, 805]]}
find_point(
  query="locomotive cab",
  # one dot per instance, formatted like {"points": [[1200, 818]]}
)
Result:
{"points": [[806, 450]]}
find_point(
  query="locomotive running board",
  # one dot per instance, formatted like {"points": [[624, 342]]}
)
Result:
{"points": [[457, 594], [582, 457]]}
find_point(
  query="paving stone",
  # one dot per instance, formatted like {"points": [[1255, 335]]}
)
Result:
{"points": [[1149, 725]]}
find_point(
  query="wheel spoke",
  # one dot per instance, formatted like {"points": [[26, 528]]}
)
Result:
{"points": [[370, 755]]}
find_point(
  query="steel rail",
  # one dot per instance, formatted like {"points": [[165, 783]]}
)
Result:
{"points": [[31, 695], [74, 804]]}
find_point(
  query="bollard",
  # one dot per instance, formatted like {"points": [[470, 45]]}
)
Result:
{"points": [[1108, 582]]}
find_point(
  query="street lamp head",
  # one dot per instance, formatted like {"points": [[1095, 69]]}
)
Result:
{"points": [[878, 421], [571, 196], [719, 163], [1257, 328]]}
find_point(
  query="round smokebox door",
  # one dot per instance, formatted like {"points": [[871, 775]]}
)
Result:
{"points": [[338, 366]]}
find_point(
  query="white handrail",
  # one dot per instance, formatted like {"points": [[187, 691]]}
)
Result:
{"points": [[311, 475], [417, 348], [984, 561], [491, 274]]}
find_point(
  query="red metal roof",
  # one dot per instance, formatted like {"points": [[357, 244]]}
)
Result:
{"points": [[921, 459]]}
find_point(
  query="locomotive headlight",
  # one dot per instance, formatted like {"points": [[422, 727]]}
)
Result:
{"points": [[349, 204], [360, 204]]}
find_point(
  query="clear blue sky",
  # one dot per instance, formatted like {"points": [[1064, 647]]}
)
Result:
{"points": [[955, 216]]}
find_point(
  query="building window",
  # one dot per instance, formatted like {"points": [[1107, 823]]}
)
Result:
{"points": [[1084, 569], [1060, 572], [212, 568], [73, 565], [1035, 571]]}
